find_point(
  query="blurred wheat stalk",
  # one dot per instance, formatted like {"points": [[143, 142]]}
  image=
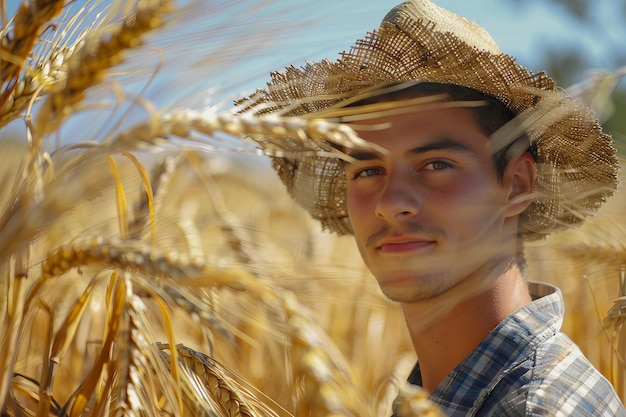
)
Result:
{"points": [[158, 269], [141, 276]]}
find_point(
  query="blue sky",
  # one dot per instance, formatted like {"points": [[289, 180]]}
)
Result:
{"points": [[300, 30], [312, 29], [308, 30], [519, 29], [229, 47]]}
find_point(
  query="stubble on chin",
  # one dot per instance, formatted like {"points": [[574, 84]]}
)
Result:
{"points": [[418, 289]]}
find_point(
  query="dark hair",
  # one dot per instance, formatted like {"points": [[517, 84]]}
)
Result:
{"points": [[490, 117]]}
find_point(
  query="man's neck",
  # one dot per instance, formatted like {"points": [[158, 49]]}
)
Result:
{"points": [[447, 329]]}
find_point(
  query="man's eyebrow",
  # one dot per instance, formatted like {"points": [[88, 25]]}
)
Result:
{"points": [[443, 144], [365, 155]]}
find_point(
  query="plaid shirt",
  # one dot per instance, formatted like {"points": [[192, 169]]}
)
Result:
{"points": [[527, 367]]}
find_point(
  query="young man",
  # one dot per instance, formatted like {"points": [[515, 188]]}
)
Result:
{"points": [[471, 156]]}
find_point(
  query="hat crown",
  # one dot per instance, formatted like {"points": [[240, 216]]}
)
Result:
{"points": [[443, 20]]}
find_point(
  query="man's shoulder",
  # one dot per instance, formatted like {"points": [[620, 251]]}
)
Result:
{"points": [[556, 377]]}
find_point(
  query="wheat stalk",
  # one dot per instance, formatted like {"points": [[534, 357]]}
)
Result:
{"points": [[315, 363], [136, 389], [15, 289], [122, 379], [311, 353]]}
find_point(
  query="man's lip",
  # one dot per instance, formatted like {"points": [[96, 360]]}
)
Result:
{"points": [[403, 244]]}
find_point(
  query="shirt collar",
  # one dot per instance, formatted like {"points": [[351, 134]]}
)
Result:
{"points": [[468, 384]]}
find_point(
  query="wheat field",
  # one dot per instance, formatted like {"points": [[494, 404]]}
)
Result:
{"points": [[155, 266]]}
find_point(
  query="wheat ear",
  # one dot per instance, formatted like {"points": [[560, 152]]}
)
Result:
{"points": [[18, 43], [89, 64], [278, 135], [33, 84], [179, 273], [210, 389], [148, 260]]}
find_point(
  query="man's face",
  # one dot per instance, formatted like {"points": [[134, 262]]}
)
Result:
{"points": [[432, 211]]}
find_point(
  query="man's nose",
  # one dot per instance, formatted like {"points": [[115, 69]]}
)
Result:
{"points": [[398, 197]]}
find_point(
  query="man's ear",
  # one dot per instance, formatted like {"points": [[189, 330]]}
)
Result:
{"points": [[519, 177]]}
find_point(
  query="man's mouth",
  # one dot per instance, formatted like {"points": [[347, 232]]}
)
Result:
{"points": [[403, 245]]}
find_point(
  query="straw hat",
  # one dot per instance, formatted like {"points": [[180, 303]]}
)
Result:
{"points": [[577, 165]]}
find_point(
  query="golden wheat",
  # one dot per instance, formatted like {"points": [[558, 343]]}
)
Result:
{"points": [[26, 29], [98, 53], [413, 401], [193, 243], [34, 82], [278, 134], [224, 395], [124, 374], [314, 361]]}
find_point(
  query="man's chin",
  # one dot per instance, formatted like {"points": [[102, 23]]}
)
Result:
{"points": [[413, 288]]}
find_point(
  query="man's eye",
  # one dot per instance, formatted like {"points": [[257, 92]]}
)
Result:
{"points": [[367, 172], [437, 166]]}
